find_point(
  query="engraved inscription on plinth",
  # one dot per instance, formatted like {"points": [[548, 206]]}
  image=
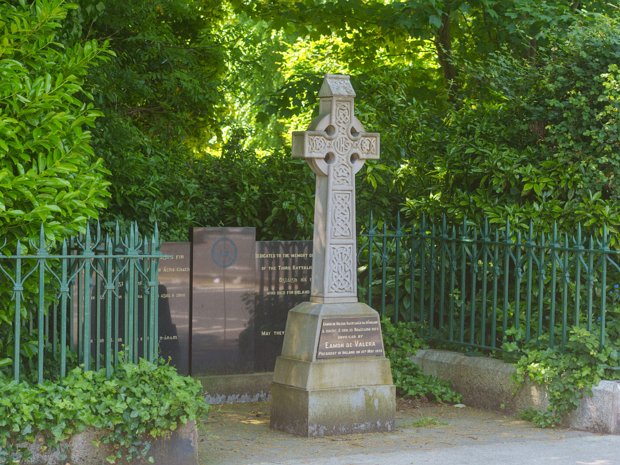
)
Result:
{"points": [[350, 337]]}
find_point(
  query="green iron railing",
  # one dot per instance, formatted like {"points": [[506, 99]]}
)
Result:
{"points": [[483, 286], [87, 301]]}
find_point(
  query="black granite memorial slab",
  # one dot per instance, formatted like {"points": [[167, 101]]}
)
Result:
{"points": [[173, 314], [284, 275], [174, 296], [223, 293]]}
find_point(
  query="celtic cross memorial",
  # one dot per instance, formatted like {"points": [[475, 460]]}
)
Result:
{"points": [[335, 147], [332, 376]]}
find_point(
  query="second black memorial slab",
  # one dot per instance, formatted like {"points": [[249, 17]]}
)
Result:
{"points": [[223, 293]]}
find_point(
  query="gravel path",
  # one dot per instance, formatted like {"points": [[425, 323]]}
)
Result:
{"points": [[425, 433]]}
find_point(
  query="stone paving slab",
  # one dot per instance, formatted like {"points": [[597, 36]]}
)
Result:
{"points": [[426, 433]]}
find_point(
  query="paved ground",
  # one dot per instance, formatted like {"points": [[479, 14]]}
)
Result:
{"points": [[426, 434]]}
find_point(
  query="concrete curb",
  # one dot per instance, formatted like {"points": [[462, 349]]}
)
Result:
{"points": [[180, 447], [488, 383]]}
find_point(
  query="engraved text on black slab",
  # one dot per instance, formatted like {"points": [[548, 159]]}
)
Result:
{"points": [[350, 337]]}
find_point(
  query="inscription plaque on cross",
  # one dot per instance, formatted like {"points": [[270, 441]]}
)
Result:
{"points": [[336, 147]]}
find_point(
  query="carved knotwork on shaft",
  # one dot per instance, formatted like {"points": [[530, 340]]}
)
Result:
{"points": [[342, 216], [336, 147], [341, 273]]}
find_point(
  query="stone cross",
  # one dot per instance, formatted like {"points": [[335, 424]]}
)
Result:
{"points": [[335, 146]]}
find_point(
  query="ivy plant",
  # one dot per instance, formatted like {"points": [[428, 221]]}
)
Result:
{"points": [[401, 343], [141, 403], [566, 373]]}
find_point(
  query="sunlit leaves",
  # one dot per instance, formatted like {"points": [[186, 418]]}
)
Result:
{"points": [[48, 173]]}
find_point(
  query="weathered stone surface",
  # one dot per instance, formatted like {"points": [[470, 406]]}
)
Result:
{"points": [[489, 383], [331, 374], [80, 449], [334, 396], [483, 382], [600, 411], [324, 412], [238, 388]]}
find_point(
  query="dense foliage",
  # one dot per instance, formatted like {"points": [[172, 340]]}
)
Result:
{"points": [[139, 404], [49, 173], [503, 109], [160, 96], [541, 143]]}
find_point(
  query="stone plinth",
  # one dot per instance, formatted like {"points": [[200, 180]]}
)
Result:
{"points": [[318, 397]]}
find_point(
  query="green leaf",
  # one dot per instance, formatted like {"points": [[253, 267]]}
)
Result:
{"points": [[435, 21]]}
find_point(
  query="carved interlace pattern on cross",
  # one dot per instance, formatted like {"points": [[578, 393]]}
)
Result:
{"points": [[342, 216], [341, 87], [343, 115], [317, 144], [342, 174], [341, 270], [368, 146]]}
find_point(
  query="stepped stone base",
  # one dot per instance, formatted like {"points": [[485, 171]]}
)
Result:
{"points": [[331, 396], [328, 412]]}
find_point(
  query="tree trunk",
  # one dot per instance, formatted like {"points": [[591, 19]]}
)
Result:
{"points": [[443, 45]]}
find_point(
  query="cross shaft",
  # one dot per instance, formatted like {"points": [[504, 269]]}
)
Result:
{"points": [[336, 147]]}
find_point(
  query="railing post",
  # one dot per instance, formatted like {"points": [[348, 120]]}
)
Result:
{"points": [[87, 332], [496, 273], [518, 277], [431, 303], [474, 274], [18, 288], [604, 253], [554, 261], [384, 259], [452, 284], [422, 251], [529, 253], [443, 239], [579, 254], [463, 283], [64, 295], [109, 297], [542, 274], [154, 312], [484, 281], [371, 237], [565, 281], [41, 258], [590, 281], [507, 245]]}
